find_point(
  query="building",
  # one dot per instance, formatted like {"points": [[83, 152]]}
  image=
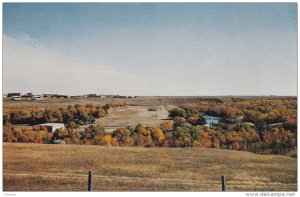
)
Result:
{"points": [[211, 120], [15, 98], [47, 95], [37, 97], [13, 94], [27, 96], [51, 127], [76, 97], [92, 95], [59, 96]]}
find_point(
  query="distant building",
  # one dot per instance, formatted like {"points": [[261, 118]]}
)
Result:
{"points": [[37, 97], [47, 95], [63, 96], [102, 96], [13, 94], [75, 97], [59, 96], [15, 98], [91, 95], [27, 96], [51, 127], [211, 120]]}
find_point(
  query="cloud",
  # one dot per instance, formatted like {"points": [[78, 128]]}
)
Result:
{"points": [[27, 66], [240, 66]]}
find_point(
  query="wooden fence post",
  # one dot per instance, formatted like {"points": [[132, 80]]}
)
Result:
{"points": [[223, 183], [90, 181]]}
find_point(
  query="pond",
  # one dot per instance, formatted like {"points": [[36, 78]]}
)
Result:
{"points": [[211, 120]]}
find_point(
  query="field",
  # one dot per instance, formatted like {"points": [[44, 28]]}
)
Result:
{"points": [[45, 167], [136, 112], [139, 101], [133, 115]]}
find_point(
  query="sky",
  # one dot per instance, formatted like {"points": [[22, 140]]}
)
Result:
{"points": [[159, 49]]}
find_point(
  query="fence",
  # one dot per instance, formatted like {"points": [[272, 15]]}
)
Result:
{"points": [[90, 174]]}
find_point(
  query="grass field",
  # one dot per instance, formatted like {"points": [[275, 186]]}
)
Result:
{"points": [[43, 167], [132, 115], [140, 101]]}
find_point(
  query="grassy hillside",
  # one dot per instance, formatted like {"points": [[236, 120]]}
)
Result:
{"points": [[43, 167]]}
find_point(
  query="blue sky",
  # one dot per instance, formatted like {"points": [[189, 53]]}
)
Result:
{"points": [[151, 49]]}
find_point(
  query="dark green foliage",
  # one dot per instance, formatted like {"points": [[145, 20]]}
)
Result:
{"points": [[177, 112]]}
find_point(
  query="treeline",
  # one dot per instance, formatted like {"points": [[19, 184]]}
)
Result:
{"points": [[179, 135], [94, 134], [71, 115], [261, 112], [234, 131], [187, 129]]}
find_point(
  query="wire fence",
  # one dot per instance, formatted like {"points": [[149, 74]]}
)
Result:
{"points": [[23, 181]]}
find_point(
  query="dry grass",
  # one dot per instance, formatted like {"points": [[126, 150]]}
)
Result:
{"points": [[144, 101], [133, 115], [42, 167]]}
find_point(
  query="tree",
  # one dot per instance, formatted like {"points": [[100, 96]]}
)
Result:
{"points": [[177, 112], [195, 119], [178, 122], [106, 107], [157, 136], [106, 140], [166, 126]]}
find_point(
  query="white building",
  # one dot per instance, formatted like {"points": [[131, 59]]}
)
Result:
{"points": [[15, 98], [211, 120], [36, 97], [51, 127]]}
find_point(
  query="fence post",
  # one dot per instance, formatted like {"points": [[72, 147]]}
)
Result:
{"points": [[223, 183], [90, 181]]}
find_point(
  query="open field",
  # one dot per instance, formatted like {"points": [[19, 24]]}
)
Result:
{"points": [[43, 167], [132, 115], [139, 101]]}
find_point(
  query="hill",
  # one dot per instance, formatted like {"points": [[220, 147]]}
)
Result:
{"points": [[45, 167]]}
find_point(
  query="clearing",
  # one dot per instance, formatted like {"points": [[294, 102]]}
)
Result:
{"points": [[132, 115]]}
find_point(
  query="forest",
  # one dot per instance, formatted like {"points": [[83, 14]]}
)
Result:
{"points": [[266, 126], [71, 116]]}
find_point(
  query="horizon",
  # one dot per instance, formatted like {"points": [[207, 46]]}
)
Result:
{"points": [[146, 49], [99, 94]]}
